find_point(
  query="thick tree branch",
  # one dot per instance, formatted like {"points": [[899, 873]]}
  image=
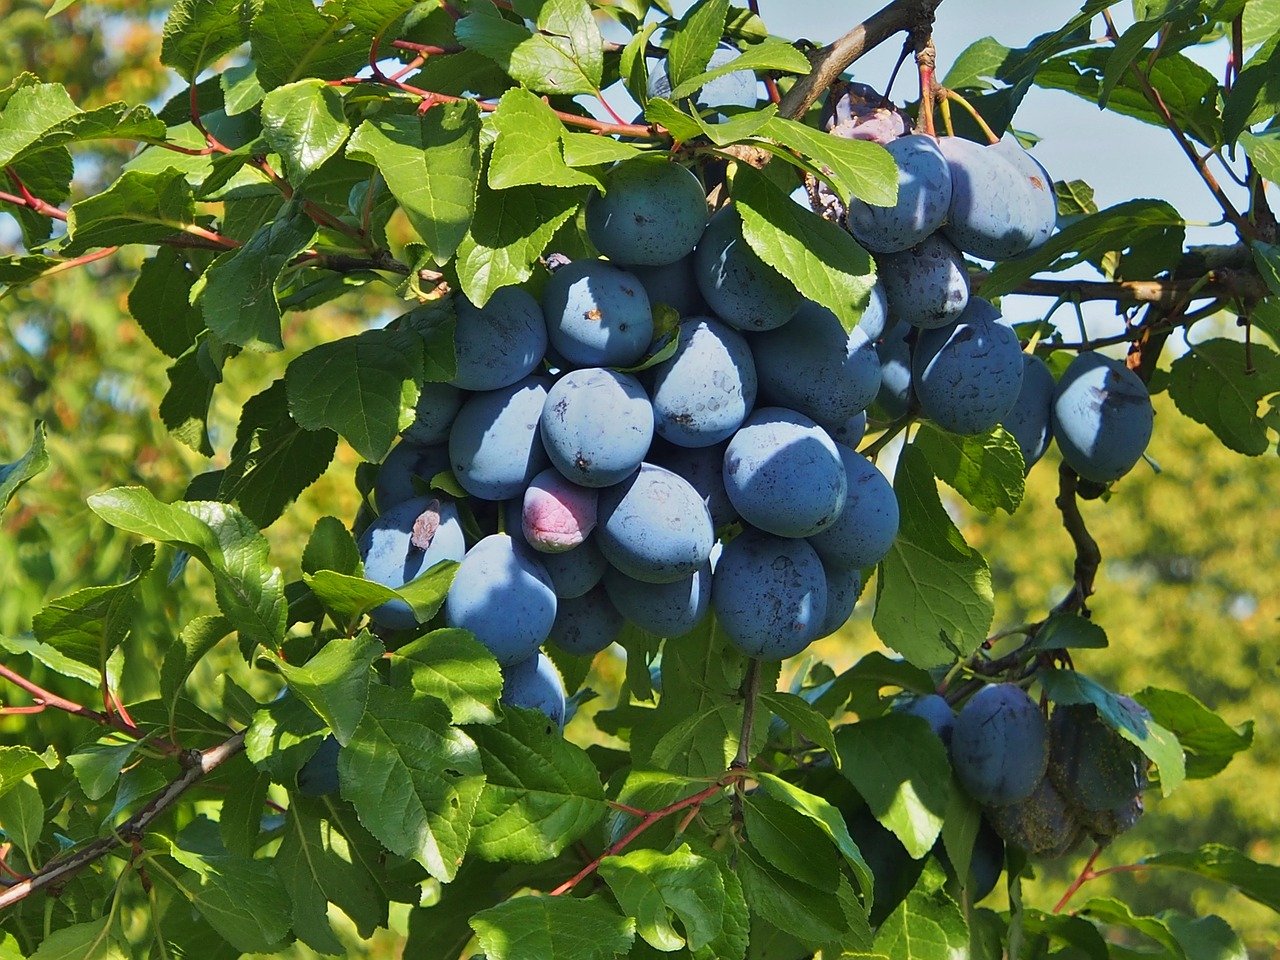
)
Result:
{"points": [[198, 765], [1223, 284]]}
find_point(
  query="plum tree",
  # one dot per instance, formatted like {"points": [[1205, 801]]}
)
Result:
{"points": [[652, 212], [499, 343], [535, 684], [783, 474], [587, 624], [406, 473], [438, 404], [494, 447], [1029, 417], [1102, 417], [654, 526], [769, 594], [703, 392], [867, 525], [557, 515], [502, 594], [597, 315], [924, 194], [743, 290], [404, 543], [993, 210], [927, 285], [703, 467], [663, 609], [1000, 745], [596, 426]]}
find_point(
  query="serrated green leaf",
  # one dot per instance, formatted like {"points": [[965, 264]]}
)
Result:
{"points": [[1204, 938], [854, 168], [455, 668], [675, 121], [184, 409], [1064, 631], [57, 662], [798, 714], [1259, 882], [161, 302], [97, 766], [565, 56], [924, 927], [771, 54], [32, 463], [22, 817], [348, 598], [652, 887], [934, 599], [197, 638], [542, 927], [987, 470], [1123, 54], [240, 897], [292, 39], [790, 842], [1221, 383], [241, 91], [592, 150], [304, 123], [199, 32], [282, 737], [16, 763], [30, 112], [91, 940], [527, 150], [335, 682], [139, 207], [331, 547], [1209, 741], [694, 40], [810, 915]]}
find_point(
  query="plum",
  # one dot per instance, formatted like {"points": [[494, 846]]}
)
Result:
{"points": [[1040, 823], [896, 394], [703, 467], [587, 624], [1102, 417], [597, 425], [406, 473], [875, 321], [968, 375], [703, 392], [573, 572], [653, 212], [654, 526], [992, 213], [663, 609], [499, 343], [844, 586], [671, 283], [783, 474], [934, 710], [743, 290], [404, 543], [1028, 418], [1044, 202], [813, 366], [438, 404], [865, 529], [927, 285], [557, 515], [502, 594], [850, 432], [597, 315], [1000, 745], [924, 195], [856, 111], [1094, 768], [769, 594], [535, 684], [494, 446]]}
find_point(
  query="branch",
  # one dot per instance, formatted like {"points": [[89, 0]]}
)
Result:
{"points": [[1226, 283], [200, 764], [834, 58], [750, 695], [1088, 556]]}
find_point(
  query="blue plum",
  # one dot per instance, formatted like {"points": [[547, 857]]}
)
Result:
{"points": [[1102, 417], [924, 194], [815, 367], [319, 775], [654, 526], [851, 431], [933, 709], [992, 214], [587, 624], [1044, 202], [557, 515], [769, 594], [494, 446], [783, 474], [653, 212], [703, 467], [406, 473], [402, 544], [573, 572], [968, 375], [673, 284], [499, 343], [703, 392], [927, 285], [597, 315], [1000, 745], [736, 89], [844, 586], [866, 527], [896, 390], [1028, 418], [597, 426], [743, 290], [502, 594], [438, 404], [876, 320], [535, 684], [663, 609]]}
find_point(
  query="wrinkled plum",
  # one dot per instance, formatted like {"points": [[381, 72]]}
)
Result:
{"points": [[1094, 768], [856, 111], [557, 515], [1040, 823]]}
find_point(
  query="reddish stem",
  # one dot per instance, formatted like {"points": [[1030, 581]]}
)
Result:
{"points": [[1086, 874], [426, 49], [42, 207]]}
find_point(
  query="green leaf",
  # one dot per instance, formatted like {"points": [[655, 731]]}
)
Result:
{"points": [[413, 779], [1067, 631], [510, 230], [89, 624], [1221, 383], [335, 682], [693, 42], [32, 463], [854, 168], [240, 897], [237, 294], [1204, 938], [934, 599], [738, 128], [820, 258], [542, 927], [161, 302], [17, 762], [455, 668], [790, 842], [925, 926], [798, 714], [282, 737], [241, 91], [987, 470], [1253, 98], [811, 915], [1209, 741], [318, 864], [1259, 882], [652, 886], [355, 386], [57, 662], [22, 817], [91, 940], [199, 32], [139, 207], [1114, 912], [592, 150], [250, 591], [1161, 746], [1123, 54], [430, 163], [542, 792], [331, 547], [305, 124], [960, 826], [30, 113], [528, 149], [97, 766], [900, 768], [565, 56], [1264, 150], [771, 54], [292, 39], [184, 409]]}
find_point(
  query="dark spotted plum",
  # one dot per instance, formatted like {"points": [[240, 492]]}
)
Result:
{"points": [[404, 543], [783, 474], [703, 467], [1000, 745], [438, 404], [597, 315], [704, 391], [1040, 823], [769, 594], [1102, 417], [924, 194], [535, 684], [406, 473], [1028, 418], [743, 290], [851, 431], [927, 285], [494, 446], [587, 624], [992, 213], [502, 594], [663, 609], [1094, 768], [654, 526], [653, 212], [499, 343], [968, 375], [557, 515], [866, 527], [597, 425]]}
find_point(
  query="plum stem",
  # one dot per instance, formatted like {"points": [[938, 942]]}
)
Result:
{"points": [[926, 55], [750, 696], [948, 95]]}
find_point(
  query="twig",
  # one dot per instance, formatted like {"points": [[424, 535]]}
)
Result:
{"points": [[949, 96], [1088, 556], [201, 763], [891, 431], [1225, 283], [926, 56], [1088, 873], [750, 696]]}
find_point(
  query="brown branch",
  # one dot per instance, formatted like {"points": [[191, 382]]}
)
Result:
{"points": [[750, 697], [1225, 283], [1088, 556], [199, 765]]}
